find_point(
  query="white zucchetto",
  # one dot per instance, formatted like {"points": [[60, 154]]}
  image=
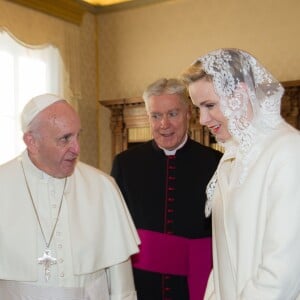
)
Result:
{"points": [[35, 106]]}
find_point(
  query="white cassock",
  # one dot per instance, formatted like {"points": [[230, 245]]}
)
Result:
{"points": [[92, 242]]}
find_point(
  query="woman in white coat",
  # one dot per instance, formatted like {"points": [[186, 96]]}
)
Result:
{"points": [[254, 196]]}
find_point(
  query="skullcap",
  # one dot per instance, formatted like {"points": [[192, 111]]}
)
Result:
{"points": [[35, 106]]}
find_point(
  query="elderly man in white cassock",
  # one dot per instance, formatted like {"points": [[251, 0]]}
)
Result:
{"points": [[65, 232]]}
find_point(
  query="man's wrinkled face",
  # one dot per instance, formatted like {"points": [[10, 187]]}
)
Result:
{"points": [[54, 143]]}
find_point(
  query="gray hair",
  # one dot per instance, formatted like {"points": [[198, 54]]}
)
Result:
{"points": [[166, 86]]}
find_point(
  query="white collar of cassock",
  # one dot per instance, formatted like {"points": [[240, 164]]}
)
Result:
{"points": [[172, 152]]}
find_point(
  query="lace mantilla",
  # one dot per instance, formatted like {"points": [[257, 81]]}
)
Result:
{"points": [[250, 99], [209, 193], [244, 86]]}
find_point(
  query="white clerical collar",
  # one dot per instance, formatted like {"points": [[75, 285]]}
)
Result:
{"points": [[173, 152]]}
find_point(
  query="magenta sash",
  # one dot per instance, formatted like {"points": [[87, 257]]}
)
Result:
{"points": [[169, 254]]}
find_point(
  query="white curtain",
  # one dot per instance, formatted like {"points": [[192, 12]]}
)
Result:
{"points": [[26, 71]]}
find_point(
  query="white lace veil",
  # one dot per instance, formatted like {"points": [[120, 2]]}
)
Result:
{"points": [[239, 80], [245, 89]]}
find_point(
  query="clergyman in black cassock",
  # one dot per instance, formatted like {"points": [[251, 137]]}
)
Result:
{"points": [[143, 175], [163, 182]]}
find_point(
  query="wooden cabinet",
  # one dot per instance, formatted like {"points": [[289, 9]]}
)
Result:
{"points": [[290, 106], [129, 121]]}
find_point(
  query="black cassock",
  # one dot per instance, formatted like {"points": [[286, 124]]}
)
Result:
{"points": [[166, 194]]}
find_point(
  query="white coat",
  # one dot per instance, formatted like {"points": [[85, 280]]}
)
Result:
{"points": [[256, 225]]}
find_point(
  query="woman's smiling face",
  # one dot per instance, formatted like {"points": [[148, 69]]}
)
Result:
{"points": [[205, 98]]}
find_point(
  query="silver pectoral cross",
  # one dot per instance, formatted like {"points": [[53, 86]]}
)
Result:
{"points": [[47, 260]]}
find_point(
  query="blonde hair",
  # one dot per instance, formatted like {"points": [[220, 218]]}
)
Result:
{"points": [[194, 73]]}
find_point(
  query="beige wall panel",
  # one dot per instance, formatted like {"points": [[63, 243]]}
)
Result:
{"points": [[88, 106]]}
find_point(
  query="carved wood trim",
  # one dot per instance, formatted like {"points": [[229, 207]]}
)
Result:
{"points": [[67, 10], [290, 108]]}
